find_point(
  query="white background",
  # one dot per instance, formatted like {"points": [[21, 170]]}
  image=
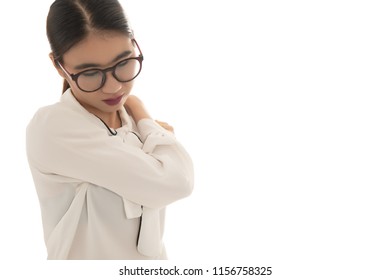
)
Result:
{"points": [[284, 107]]}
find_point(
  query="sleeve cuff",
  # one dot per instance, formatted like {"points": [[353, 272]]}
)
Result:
{"points": [[152, 135], [149, 126]]}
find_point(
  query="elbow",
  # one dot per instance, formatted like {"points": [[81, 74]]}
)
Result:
{"points": [[186, 178], [179, 187], [178, 180], [189, 183], [173, 189], [185, 185]]}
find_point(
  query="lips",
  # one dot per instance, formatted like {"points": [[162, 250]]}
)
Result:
{"points": [[113, 101]]}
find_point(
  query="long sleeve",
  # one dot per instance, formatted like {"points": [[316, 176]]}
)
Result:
{"points": [[65, 141]]}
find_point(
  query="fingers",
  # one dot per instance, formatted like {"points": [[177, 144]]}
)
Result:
{"points": [[165, 125]]}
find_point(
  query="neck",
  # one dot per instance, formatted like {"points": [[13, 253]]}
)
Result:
{"points": [[111, 119]]}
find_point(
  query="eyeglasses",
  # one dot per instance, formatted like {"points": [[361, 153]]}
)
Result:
{"points": [[94, 79]]}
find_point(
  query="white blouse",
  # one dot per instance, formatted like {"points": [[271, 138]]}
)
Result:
{"points": [[104, 196]]}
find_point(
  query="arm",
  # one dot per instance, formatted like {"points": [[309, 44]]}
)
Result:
{"points": [[137, 110], [64, 142]]}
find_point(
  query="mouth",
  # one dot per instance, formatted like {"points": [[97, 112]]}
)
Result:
{"points": [[113, 101]]}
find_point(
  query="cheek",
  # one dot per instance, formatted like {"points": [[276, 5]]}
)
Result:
{"points": [[127, 88], [76, 91], [127, 91], [84, 97]]}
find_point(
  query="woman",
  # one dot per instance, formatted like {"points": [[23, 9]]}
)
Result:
{"points": [[103, 169]]}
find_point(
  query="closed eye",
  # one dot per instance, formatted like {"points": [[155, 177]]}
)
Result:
{"points": [[123, 63], [91, 74]]}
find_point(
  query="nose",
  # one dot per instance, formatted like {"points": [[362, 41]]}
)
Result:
{"points": [[111, 84]]}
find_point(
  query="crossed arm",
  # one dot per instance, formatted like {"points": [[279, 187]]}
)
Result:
{"points": [[138, 111]]}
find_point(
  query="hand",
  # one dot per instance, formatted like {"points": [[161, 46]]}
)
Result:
{"points": [[165, 125]]}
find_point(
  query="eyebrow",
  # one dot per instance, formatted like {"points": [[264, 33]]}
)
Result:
{"points": [[88, 65]]}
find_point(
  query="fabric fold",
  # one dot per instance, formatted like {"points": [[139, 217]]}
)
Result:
{"points": [[157, 139], [149, 242], [61, 238], [132, 210], [150, 239]]}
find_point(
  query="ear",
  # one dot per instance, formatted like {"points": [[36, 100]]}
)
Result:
{"points": [[59, 70]]}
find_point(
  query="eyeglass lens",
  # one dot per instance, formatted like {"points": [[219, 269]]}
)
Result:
{"points": [[94, 79]]}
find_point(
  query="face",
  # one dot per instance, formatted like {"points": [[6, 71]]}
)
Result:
{"points": [[100, 51]]}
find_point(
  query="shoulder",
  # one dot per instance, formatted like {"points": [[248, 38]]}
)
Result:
{"points": [[56, 129], [51, 118], [65, 116], [50, 113]]}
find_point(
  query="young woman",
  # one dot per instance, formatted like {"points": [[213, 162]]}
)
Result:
{"points": [[103, 169]]}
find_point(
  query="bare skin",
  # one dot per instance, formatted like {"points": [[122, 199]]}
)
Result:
{"points": [[103, 49], [139, 112]]}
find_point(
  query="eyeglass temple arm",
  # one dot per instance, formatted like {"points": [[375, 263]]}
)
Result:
{"points": [[135, 41], [63, 69]]}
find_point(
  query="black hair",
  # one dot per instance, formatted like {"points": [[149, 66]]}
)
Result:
{"points": [[70, 21]]}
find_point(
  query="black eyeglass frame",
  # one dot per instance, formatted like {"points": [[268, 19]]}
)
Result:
{"points": [[75, 77]]}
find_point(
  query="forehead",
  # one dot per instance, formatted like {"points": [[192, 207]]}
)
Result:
{"points": [[98, 48]]}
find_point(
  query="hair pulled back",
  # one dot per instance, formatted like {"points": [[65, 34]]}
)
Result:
{"points": [[70, 21]]}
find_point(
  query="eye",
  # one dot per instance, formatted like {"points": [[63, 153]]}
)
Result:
{"points": [[91, 74], [123, 63]]}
